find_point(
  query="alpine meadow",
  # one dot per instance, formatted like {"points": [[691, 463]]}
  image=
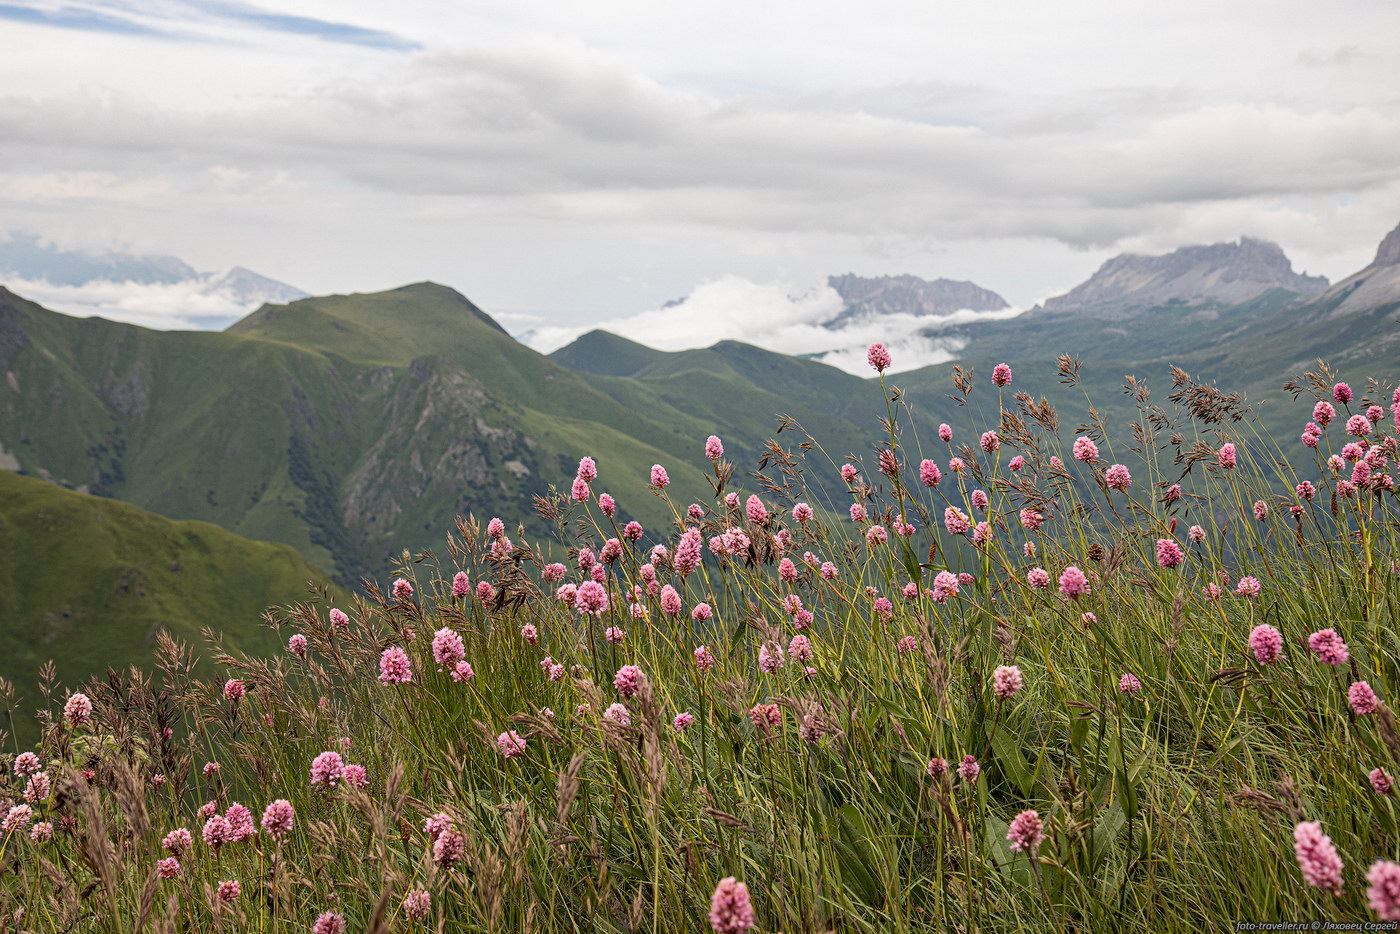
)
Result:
{"points": [[831, 469]]}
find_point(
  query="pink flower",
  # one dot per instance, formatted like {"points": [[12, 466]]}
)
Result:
{"points": [[17, 818], [327, 768], [827, 571], [848, 473], [1363, 700], [177, 842], [800, 648], [765, 716], [394, 667], [448, 649], [1085, 449], [228, 890], [1358, 426], [462, 671], [929, 473], [956, 465], [1324, 413], [1039, 578], [1384, 893], [1016, 463], [78, 709], [979, 499], [328, 922], [1169, 553], [969, 769], [688, 551], [937, 767], [37, 788], [356, 776], [617, 713], [730, 909], [587, 469], [417, 904], [1006, 681], [1266, 643], [1226, 456], [606, 504], [1117, 477], [614, 634], [1073, 583], [1001, 375], [403, 590], [579, 491], [876, 535], [632, 531], [1381, 782], [1306, 491], [511, 744], [339, 620], [1026, 831], [1129, 684], [1317, 857], [670, 601], [217, 831], [704, 661], [701, 612], [956, 521], [1030, 519], [945, 433], [857, 512], [449, 848], [1329, 648], [485, 593], [1172, 494], [168, 868], [659, 478], [1247, 587], [628, 680], [755, 510], [682, 721], [26, 763], [240, 823], [296, 644], [592, 599], [1342, 393], [714, 448], [461, 586], [989, 441], [945, 585], [879, 358], [770, 657], [277, 818]]}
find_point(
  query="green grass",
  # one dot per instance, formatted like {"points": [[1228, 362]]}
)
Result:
{"points": [[1172, 808], [89, 582]]}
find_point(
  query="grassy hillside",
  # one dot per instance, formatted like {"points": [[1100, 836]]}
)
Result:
{"points": [[88, 582]]}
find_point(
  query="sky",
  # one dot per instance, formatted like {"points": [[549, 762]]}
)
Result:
{"points": [[564, 163]]}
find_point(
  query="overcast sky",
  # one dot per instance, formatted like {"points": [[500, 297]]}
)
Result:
{"points": [[584, 161]]}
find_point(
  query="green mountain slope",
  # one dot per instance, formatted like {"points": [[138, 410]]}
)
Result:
{"points": [[88, 582]]}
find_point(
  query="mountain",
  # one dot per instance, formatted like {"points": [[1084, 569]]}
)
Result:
{"points": [[1376, 285], [88, 582], [349, 427], [140, 287], [883, 295], [1219, 274]]}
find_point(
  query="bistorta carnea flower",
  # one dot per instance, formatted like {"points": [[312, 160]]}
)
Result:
{"points": [[277, 818], [1085, 449], [1362, 698], [1226, 456], [731, 911], [1169, 553], [1329, 648], [417, 904], [1117, 477], [628, 680], [1318, 860], [1001, 375], [1006, 681], [511, 744], [1381, 782], [329, 922], [659, 478], [1073, 583], [394, 667], [1129, 684], [968, 769], [1383, 895], [1026, 831], [328, 768], [77, 709], [879, 357]]}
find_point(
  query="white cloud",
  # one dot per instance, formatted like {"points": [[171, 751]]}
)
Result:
{"points": [[188, 305], [769, 316]]}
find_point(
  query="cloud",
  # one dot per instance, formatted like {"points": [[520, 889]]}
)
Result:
{"points": [[188, 305], [768, 316]]}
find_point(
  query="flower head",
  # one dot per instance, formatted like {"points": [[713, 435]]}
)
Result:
{"points": [[394, 667], [879, 357], [1383, 895], [1026, 831], [1073, 583], [77, 709], [511, 744], [1329, 648], [1317, 857], [731, 911], [1006, 681], [278, 817], [1001, 375]]}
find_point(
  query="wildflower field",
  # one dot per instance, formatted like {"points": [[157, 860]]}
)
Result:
{"points": [[1015, 675]]}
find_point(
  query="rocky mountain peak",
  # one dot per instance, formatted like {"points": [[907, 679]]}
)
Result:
{"points": [[1388, 254], [907, 294], [1227, 273]]}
